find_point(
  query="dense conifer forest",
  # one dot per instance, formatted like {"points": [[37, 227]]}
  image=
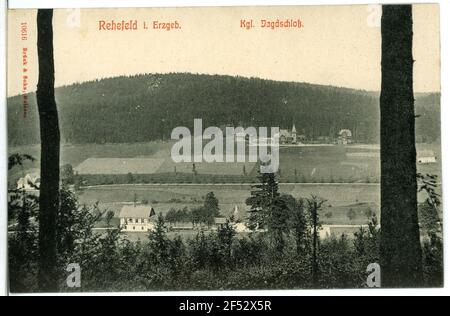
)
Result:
{"points": [[147, 107]]}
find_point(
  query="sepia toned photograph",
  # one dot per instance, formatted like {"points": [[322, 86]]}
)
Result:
{"points": [[224, 148]]}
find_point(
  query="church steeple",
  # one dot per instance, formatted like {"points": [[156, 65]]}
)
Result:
{"points": [[294, 134], [236, 212]]}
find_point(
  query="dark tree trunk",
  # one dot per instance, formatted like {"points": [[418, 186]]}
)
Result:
{"points": [[315, 267], [401, 254], [50, 138]]}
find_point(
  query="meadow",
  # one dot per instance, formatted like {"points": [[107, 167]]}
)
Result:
{"points": [[352, 163], [340, 198], [76, 154], [346, 176]]}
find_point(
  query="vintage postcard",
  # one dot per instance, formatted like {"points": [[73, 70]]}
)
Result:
{"points": [[224, 148]]}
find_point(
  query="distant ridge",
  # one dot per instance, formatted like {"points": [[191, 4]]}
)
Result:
{"points": [[147, 107]]}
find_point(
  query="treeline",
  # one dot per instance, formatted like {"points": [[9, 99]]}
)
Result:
{"points": [[217, 260], [286, 254], [147, 107], [203, 215], [91, 180]]}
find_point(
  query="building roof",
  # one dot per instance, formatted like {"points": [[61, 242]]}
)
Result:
{"points": [[236, 212], [220, 220], [347, 132], [33, 178], [240, 134], [138, 211], [119, 166], [285, 133], [294, 130], [426, 153]]}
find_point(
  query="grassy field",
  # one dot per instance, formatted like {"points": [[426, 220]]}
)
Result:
{"points": [[340, 198], [119, 165], [216, 168], [76, 154], [354, 163], [319, 164], [327, 164]]}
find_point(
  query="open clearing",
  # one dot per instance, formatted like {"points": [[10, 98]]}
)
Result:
{"points": [[353, 163], [360, 198], [317, 164], [119, 166], [340, 198]]}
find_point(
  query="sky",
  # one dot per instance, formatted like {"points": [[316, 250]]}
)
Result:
{"points": [[338, 45]]}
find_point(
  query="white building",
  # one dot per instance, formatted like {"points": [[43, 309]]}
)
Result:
{"points": [[327, 231], [137, 218], [426, 156], [345, 137], [220, 221], [31, 181], [236, 214], [288, 137], [241, 228], [241, 136]]}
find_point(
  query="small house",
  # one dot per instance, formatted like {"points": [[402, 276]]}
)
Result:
{"points": [[241, 228], [137, 218], [288, 137], [426, 157], [31, 181], [220, 221], [345, 137], [236, 214], [327, 231], [241, 136]]}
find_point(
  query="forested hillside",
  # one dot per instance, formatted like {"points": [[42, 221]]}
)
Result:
{"points": [[147, 107]]}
